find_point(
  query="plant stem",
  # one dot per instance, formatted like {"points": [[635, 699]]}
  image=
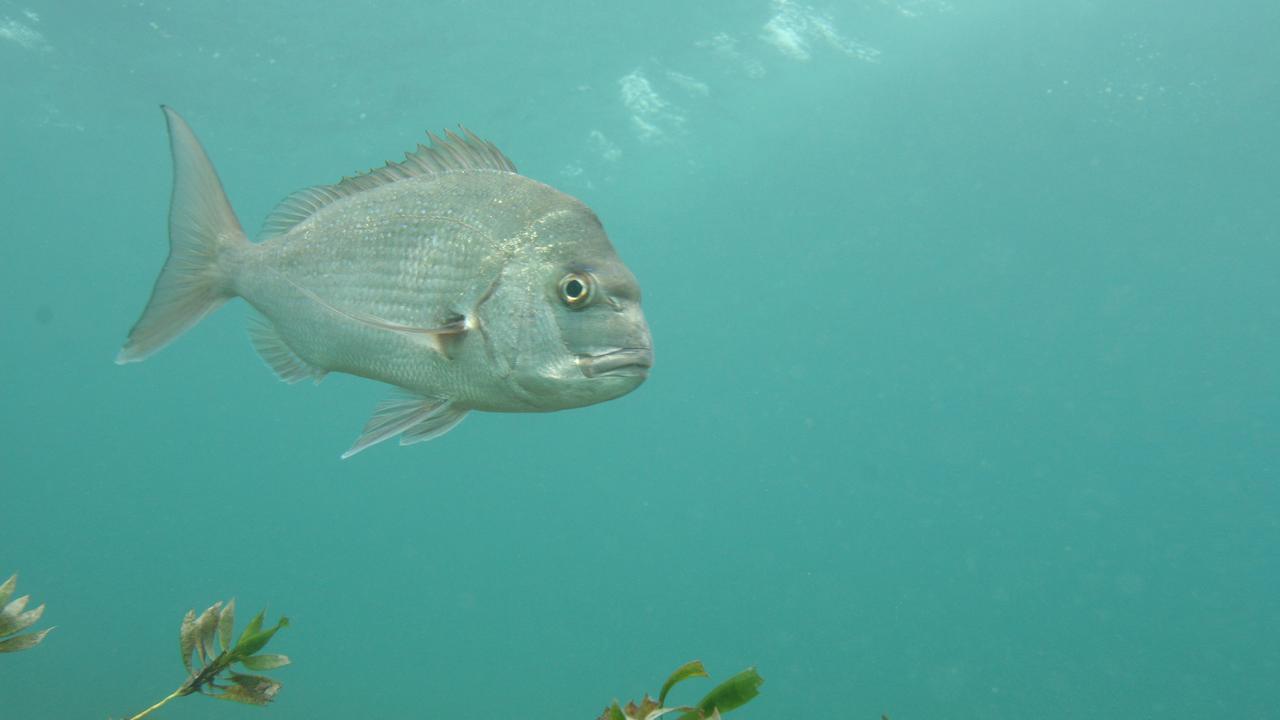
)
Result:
{"points": [[157, 706]]}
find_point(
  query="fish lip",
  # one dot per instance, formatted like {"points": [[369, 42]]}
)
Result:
{"points": [[622, 361]]}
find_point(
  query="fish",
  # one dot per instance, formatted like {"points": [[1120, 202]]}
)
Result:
{"points": [[448, 276]]}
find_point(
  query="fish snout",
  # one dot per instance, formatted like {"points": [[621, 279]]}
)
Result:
{"points": [[627, 361]]}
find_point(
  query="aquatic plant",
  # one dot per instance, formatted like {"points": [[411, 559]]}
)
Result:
{"points": [[14, 618], [209, 655], [210, 674], [728, 695]]}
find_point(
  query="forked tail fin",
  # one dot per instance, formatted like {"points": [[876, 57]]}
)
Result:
{"points": [[205, 242]]}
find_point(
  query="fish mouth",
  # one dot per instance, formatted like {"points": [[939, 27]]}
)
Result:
{"points": [[623, 361]]}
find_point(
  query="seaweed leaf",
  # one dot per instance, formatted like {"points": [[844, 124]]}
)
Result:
{"points": [[250, 689], [9, 615], [267, 661], [253, 643], [226, 619], [254, 626], [6, 590], [14, 618], [691, 669], [187, 639], [206, 626], [22, 621], [729, 695], [23, 642]]}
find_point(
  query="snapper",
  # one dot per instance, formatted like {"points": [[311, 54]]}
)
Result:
{"points": [[448, 276]]}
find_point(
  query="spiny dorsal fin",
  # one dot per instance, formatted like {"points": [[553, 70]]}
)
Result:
{"points": [[453, 153]]}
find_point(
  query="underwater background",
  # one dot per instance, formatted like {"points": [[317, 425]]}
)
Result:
{"points": [[966, 394]]}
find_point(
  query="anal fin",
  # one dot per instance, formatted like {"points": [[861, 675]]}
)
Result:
{"points": [[276, 352], [414, 418], [440, 422]]}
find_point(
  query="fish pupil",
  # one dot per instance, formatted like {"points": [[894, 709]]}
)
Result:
{"points": [[574, 289]]}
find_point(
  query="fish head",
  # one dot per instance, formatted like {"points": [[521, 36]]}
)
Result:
{"points": [[584, 335]]}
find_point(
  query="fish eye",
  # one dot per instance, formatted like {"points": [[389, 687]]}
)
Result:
{"points": [[575, 289]]}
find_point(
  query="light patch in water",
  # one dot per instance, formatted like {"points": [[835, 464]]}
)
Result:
{"points": [[603, 146], [652, 117], [691, 85], [918, 8], [639, 96], [22, 34], [724, 47], [795, 28]]}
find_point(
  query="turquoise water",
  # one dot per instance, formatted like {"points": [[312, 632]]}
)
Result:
{"points": [[965, 402]]}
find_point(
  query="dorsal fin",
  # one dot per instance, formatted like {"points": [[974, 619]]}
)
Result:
{"points": [[452, 153]]}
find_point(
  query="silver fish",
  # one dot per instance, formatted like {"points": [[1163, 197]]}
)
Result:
{"points": [[448, 276]]}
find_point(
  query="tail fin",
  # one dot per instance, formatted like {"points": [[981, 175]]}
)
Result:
{"points": [[204, 241]]}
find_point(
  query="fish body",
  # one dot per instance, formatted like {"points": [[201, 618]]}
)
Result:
{"points": [[448, 276]]}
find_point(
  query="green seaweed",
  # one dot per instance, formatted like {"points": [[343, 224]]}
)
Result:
{"points": [[728, 695], [14, 618], [208, 655]]}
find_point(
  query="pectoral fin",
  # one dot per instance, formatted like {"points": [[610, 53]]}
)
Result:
{"points": [[439, 338], [414, 417]]}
